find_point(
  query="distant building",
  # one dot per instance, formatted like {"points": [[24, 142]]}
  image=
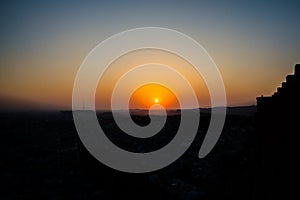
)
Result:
{"points": [[279, 140]]}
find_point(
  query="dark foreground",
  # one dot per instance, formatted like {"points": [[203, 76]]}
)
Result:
{"points": [[42, 158]]}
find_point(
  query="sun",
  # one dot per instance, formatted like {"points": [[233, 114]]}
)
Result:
{"points": [[147, 95]]}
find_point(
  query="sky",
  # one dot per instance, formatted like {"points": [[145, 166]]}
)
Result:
{"points": [[255, 44]]}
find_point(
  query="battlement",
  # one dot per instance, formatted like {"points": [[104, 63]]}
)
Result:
{"points": [[286, 96], [278, 138]]}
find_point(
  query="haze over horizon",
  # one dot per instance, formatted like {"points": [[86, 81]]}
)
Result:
{"points": [[254, 44]]}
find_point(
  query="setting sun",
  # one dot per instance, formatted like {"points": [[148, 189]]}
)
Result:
{"points": [[147, 95]]}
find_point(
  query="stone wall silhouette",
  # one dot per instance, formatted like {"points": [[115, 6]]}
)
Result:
{"points": [[285, 99], [279, 140]]}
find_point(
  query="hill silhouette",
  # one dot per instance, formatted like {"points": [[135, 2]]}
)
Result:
{"points": [[13, 103]]}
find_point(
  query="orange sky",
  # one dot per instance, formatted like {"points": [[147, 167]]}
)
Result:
{"points": [[137, 58]]}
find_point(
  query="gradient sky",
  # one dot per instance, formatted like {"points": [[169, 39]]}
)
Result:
{"points": [[254, 43]]}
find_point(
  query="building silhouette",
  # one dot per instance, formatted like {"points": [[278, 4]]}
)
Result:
{"points": [[278, 128], [285, 99]]}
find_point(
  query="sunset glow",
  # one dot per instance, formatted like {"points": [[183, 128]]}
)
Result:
{"points": [[145, 95], [150, 94], [44, 43]]}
